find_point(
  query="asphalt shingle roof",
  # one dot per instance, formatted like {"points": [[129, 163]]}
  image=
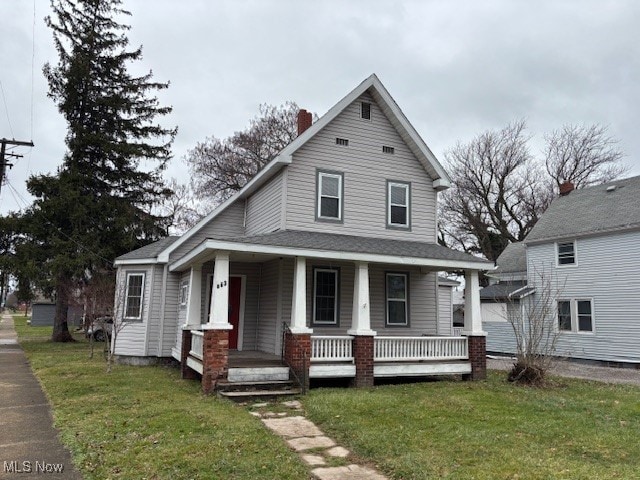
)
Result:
{"points": [[500, 291], [591, 210], [513, 259], [148, 251], [354, 244]]}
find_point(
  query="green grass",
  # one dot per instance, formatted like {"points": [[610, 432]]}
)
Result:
{"points": [[487, 430], [145, 422]]}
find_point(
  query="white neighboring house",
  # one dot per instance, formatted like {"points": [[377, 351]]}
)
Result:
{"points": [[587, 243]]}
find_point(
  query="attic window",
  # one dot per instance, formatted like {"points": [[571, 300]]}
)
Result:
{"points": [[342, 141], [566, 253], [365, 110], [386, 149]]}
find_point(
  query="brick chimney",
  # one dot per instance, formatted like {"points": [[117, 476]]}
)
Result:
{"points": [[565, 188], [305, 119]]}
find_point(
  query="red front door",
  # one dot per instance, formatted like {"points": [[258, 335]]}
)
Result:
{"points": [[235, 287]]}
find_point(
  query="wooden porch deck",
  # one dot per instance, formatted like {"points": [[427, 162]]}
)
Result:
{"points": [[253, 359]]}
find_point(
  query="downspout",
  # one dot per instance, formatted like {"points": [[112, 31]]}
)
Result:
{"points": [[148, 312], [162, 308]]}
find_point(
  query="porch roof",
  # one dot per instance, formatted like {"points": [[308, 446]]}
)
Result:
{"points": [[339, 247]]}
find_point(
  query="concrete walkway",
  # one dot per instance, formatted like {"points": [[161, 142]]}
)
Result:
{"points": [[328, 460], [29, 445], [583, 371]]}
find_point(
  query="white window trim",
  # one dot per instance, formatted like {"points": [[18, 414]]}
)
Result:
{"points": [[575, 255], [126, 297], [405, 300], [184, 293], [336, 320], [573, 310], [340, 196], [407, 187]]}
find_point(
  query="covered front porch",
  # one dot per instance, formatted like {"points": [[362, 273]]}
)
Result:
{"points": [[374, 318]]}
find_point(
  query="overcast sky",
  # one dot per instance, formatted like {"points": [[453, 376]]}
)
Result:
{"points": [[456, 68]]}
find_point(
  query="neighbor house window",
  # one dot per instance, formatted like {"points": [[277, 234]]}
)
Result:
{"points": [[325, 296], [397, 290], [566, 253], [135, 294], [575, 315], [330, 194], [365, 110], [184, 289], [398, 204]]}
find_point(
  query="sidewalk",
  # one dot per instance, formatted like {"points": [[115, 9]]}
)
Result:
{"points": [[29, 445]]}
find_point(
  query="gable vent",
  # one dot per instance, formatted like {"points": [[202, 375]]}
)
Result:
{"points": [[365, 110], [611, 188], [342, 141], [386, 149]]}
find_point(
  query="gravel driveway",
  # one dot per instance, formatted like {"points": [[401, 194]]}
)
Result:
{"points": [[564, 368]]}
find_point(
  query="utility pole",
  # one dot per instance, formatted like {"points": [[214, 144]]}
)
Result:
{"points": [[4, 155]]}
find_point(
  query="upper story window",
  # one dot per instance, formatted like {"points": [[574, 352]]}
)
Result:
{"points": [[566, 253], [325, 296], [575, 315], [397, 290], [398, 205], [330, 194], [365, 110], [135, 296]]}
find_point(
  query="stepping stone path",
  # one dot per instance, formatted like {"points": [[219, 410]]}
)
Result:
{"points": [[315, 448]]}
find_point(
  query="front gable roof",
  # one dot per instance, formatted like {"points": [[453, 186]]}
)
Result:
{"points": [[374, 87], [611, 207]]}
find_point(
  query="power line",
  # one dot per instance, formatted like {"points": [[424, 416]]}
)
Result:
{"points": [[6, 109], [33, 61]]}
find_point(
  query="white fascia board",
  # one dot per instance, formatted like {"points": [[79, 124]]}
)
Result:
{"points": [[441, 184], [516, 293], [326, 254], [594, 233], [135, 261]]}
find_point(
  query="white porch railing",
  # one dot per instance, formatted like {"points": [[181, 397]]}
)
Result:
{"points": [[457, 331], [405, 349], [197, 342], [327, 348]]}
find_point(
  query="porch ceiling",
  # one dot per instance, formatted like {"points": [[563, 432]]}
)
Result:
{"points": [[292, 243]]}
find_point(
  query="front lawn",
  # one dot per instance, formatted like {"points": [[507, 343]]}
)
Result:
{"points": [[487, 430], [145, 422]]}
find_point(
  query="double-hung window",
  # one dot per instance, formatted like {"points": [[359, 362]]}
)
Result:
{"points": [[575, 315], [398, 205], [397, 293], [566, 253], [134, 296], [330, 187], [184, 293], [325, 296]]}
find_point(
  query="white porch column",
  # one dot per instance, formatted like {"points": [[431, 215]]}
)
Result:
{"points": [[195, 294], [299, 302], [472, 315], [361, 317], [219, 309]]}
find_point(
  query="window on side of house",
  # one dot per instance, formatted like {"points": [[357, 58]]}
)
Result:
{"points": [[330, 194], [135, 296], [184, 293], [575, 315], [325, 296], [566, 253], [365, 110], [397, 293], [398, 205]]}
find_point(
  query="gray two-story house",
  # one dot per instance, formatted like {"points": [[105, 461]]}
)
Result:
{"points": [[585, 251], [326, 259]]}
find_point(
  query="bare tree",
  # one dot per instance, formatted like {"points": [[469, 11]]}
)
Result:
{"points": [[182, 209], [533, 320], [221, 167], [496, 195], [582, 155]]}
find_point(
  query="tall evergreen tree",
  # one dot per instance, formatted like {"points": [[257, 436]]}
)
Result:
{"points": [[97, 206]]}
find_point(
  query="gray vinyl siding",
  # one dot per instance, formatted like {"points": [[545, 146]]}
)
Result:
{"points": [[366, 171], [445, 311], [500, 336], [607, 271], [268, 318], [228, 224], [167, 331], [131, 339], [264, 208]]}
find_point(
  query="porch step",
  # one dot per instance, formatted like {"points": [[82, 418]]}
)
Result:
{"points": [[259, 394], [243, 391], [252, 386], [258, 374]]}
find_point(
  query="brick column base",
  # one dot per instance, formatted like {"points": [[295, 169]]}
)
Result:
{"points": [[478, 358], [215, 358], [186, 372], [297, 354], [363, 358]]}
